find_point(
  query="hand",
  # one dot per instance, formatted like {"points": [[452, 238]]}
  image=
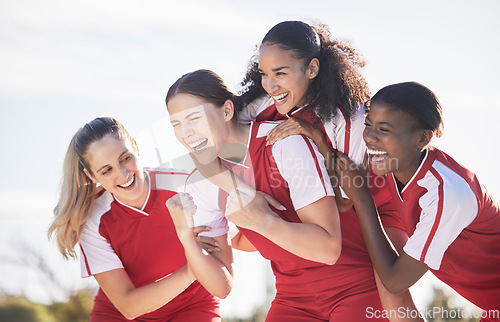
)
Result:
{"points": [[182, 209], [207, 243], [249, 209], [352, 177], [293, 126]]}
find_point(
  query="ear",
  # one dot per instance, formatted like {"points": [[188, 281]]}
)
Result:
{"points": [[135, 146], [424, 138], [313, 68], [89, 175], [228, 110]]}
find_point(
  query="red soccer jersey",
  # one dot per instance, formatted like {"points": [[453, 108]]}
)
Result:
{"points": [[292, 171], [143, 242], [454, 227], [342, 134]]}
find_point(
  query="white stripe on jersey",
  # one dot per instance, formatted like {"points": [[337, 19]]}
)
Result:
{"points": [[168, 179], [298, 165], [336, 131], [206, 198], [96, 252], [250, 112], [460, 208]]}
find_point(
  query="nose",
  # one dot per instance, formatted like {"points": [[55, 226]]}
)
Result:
{"points": [[269, 84], [186, 130], [369, 135], [123, 173]]}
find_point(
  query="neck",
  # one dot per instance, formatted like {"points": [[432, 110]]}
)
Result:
{"points": [[237, 143], [404, 176], [140, 201]]}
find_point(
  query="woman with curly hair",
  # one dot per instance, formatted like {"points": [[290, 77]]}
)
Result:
{"points": [[312, 84]]}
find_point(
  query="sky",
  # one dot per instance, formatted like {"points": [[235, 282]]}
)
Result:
{"points": [[63, 63]]}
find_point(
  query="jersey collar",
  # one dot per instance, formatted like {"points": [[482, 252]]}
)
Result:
{"points": [[141, 211]]}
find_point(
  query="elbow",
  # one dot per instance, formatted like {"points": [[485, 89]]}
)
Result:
{"points": [[333, 254], [223, 292], [394, 287], [129, 314], [396, 290]]}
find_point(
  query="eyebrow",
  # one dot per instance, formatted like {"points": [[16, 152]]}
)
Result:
{"points": [[191, 114], [277, 69], [380, 123], [107, 165]]}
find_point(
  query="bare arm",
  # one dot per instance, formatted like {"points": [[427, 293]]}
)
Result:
{"points": [[397, 272], [133, 302], [213, 270], [393, 302], [294, 126], [317, 237]]}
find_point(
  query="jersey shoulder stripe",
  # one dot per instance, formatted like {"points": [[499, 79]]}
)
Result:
{"points": [[167, 179]]}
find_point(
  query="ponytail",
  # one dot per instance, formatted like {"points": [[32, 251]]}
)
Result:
{"points": [[339, 84], [78, 192]]}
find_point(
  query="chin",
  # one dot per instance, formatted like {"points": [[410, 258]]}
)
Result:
{"points": [[205, 157], [380, 169]]}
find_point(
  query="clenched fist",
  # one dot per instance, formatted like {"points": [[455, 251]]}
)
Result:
{"points": [[182, 209]]}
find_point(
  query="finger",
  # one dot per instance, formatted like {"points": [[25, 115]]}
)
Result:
{"points": [[273, 202], [201, 229], [275, 132], [208, 240], [209, 248]]}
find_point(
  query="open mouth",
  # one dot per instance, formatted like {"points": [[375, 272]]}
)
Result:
{"points": [[198, 145], [377, 156], [128, 183], [280, 98]]}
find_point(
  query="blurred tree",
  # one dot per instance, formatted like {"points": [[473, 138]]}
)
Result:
{"points": [[20, 309], [76, 309], [439, 310]]}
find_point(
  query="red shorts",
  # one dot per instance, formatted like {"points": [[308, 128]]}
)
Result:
{"points": [[352, 307], [202, 307]]}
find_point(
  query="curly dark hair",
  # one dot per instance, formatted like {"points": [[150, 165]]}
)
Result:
{"points": [[339, 83]]}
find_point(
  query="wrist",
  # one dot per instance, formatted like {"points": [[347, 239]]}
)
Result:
{"points": [[186, 235], [265, 224], [363, 195]]}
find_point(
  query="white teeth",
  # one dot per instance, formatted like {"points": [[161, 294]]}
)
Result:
{"points": [[376, 152], [280, 97], [127, 184], [196, 143]]}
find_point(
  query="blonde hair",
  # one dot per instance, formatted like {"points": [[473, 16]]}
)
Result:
{"points": [[78, 192]]}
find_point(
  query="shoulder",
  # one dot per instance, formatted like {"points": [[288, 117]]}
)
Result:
{"points": [[101, 206], [260, 103], [443, 183], [167, 179]]}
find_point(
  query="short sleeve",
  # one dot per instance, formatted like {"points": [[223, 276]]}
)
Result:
{"points": [[447, 208], [357, 146], [206, 198], [96, 254], [254, 108], [346, 135], [302, 166]]}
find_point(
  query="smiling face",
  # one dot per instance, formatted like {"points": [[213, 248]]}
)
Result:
{"points": [[200, 126], [285, 78], [394, 141], [114, 164]]}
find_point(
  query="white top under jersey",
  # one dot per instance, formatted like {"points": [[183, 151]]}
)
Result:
{"points": [[206, 198]]}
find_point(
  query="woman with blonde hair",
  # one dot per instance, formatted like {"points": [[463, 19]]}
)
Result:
{"points": [[136, 233]]}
